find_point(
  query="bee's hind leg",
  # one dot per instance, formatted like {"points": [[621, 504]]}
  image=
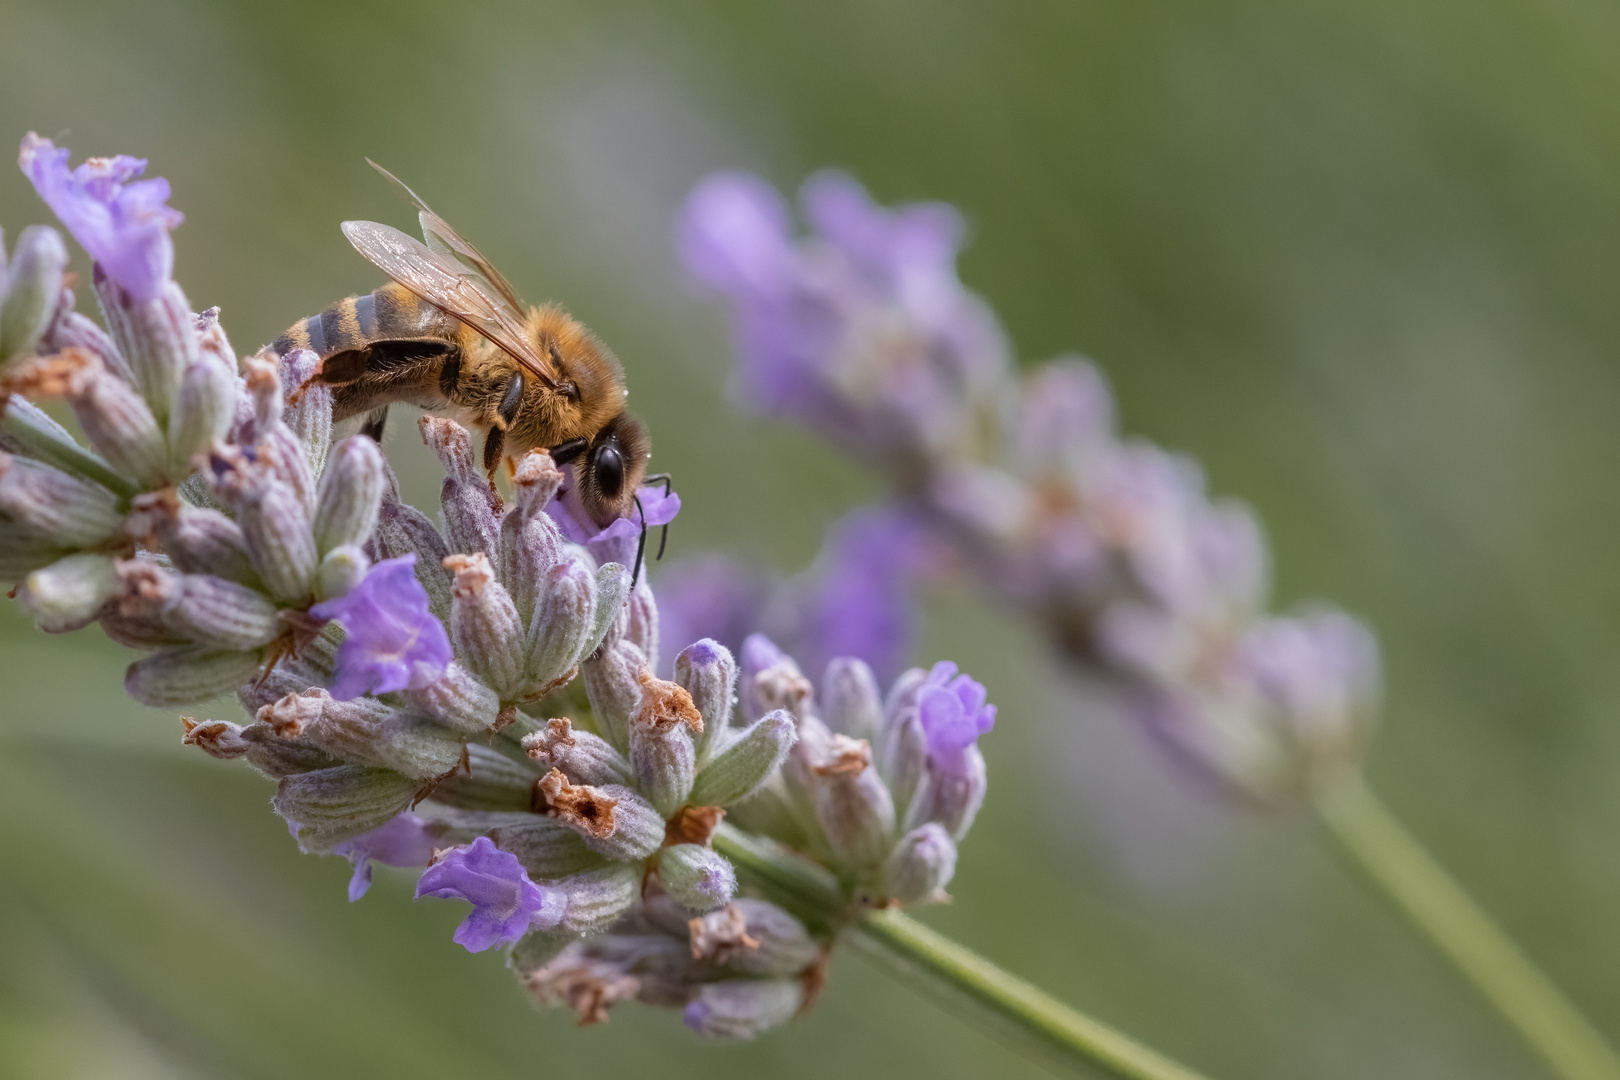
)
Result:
{"points": [[376, 423]]}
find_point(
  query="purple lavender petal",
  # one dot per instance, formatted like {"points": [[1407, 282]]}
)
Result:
{"points": [[393, 640], [404, 841], [953, 711], [506, 904], [122, 223]]}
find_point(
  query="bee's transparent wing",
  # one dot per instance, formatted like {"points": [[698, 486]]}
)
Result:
{"points": [[444, 282], [444, 240]]}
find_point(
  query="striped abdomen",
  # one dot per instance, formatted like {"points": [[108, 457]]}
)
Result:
{"points": [[386, 346], [391, 313]]}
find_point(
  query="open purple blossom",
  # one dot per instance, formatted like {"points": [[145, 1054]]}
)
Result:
{"points": [[122, 222], [954, 712], [617, 542], [506, 904], [394, 642], [404, 841]]}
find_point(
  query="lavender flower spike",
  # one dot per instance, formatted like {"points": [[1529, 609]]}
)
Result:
{"points": [[122, 222], [506, 904], [394, 641]]}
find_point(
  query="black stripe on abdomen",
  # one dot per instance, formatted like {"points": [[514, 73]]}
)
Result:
{"points": [[316, 334]]}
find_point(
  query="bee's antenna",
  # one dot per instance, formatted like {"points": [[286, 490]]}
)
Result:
{"points": [[663, 534], [641, 544]]}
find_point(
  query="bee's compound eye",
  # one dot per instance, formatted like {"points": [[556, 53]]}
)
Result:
{"points": [[607, 468]]}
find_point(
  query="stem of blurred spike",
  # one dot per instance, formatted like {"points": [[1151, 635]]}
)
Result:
{"points": [[1547, 1020], [1030, 1020]]}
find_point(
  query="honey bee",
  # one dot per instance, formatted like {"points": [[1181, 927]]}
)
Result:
{"points": [[450, 335]]}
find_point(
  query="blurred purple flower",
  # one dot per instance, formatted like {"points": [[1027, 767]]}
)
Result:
{"points": [[393, 640], [404, 841], [710, 596], [1317, 671], [863, 329], [506, 904], [857, 600], [954, 713], [122, 222]]}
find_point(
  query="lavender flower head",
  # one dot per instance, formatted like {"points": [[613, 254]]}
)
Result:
{"points": [[122, 222], [863, 331], [506, 904], [393, 642]]}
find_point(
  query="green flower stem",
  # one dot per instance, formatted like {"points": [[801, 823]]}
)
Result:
{"points": [[1034, 1021], [1547, 1020]]}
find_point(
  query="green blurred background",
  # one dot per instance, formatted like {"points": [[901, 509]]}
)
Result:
{"points": [[1359, 257]]}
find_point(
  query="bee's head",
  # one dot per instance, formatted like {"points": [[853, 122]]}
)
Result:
{"points": [[611, 470]]}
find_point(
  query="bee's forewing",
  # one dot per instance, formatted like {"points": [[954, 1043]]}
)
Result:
{"points": [[445, 283], [435, 228]]}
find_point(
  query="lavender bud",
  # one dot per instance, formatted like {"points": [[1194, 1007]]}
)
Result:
{"points": [[459, 700], [951, 796], [117, 422], [21, 551], [902, 755], [641, 629], [366, 732], [309, 411], [613, 683], [853, 806], [851, 702], [561, 621], [484, 624], [614, 820], [596, 898], [743, 1008], [903, 694], [340, 571], [274, 444], [330, 806], [921, 865], [197, 541], [205, 408], [350, 494], [746, 763], [47, 500], [67, 594], [223, 614], [755, 938], [402, 529], [188, 674], [468, 501], [771, 680], [612, 591], [30, 288], [709, 674], [276, 527], [530, 542], [28, 431], [584, 757], [661, 743], [490, 782], [157, 338], [70, 330], [698, 877], [266, 751]]}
